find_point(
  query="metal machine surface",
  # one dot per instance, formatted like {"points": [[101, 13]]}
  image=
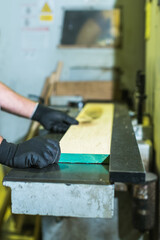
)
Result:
{"points": [[63, 190], [89, 186]]}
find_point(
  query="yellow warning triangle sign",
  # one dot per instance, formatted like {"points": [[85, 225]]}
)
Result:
{"points": [[46, 8]]}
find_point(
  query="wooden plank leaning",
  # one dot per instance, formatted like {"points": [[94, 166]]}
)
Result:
{"points": [[47, 90]]}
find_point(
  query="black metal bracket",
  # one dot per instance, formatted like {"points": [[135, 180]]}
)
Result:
{"points": [[125, 161]]}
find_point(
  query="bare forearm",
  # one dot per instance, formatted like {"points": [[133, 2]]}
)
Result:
{"points": [[1, 139], [14, 103]]}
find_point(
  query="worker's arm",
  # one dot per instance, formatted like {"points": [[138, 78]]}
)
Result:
{"points": [[36, 152], [1, 138], [51, 119], [12, 102]]}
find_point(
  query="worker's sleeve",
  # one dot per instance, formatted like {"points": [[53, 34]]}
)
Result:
{"points": [[53, 120], [37, 152]]}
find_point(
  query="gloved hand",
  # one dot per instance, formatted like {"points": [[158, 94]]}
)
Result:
{"points": [[53, 120], [37, 152]]}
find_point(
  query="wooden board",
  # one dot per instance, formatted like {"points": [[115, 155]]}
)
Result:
{"points": [[94, 90], [90, 141]]}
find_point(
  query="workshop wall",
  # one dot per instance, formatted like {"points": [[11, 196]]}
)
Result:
{"points": [[131, 57], [29, 52], [153, 70]]}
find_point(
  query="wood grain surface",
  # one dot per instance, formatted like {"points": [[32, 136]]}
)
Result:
{"points": [[90, 141]]}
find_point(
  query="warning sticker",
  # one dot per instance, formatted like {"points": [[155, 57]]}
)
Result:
{"points": [[46, 17], [46, 13], [46, 8]]}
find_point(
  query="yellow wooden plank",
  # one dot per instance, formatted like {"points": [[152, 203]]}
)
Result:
{"points": [[92, 137]]}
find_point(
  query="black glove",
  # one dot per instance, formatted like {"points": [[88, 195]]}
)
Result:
{"points": [[53, 120], [37, 152]]}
